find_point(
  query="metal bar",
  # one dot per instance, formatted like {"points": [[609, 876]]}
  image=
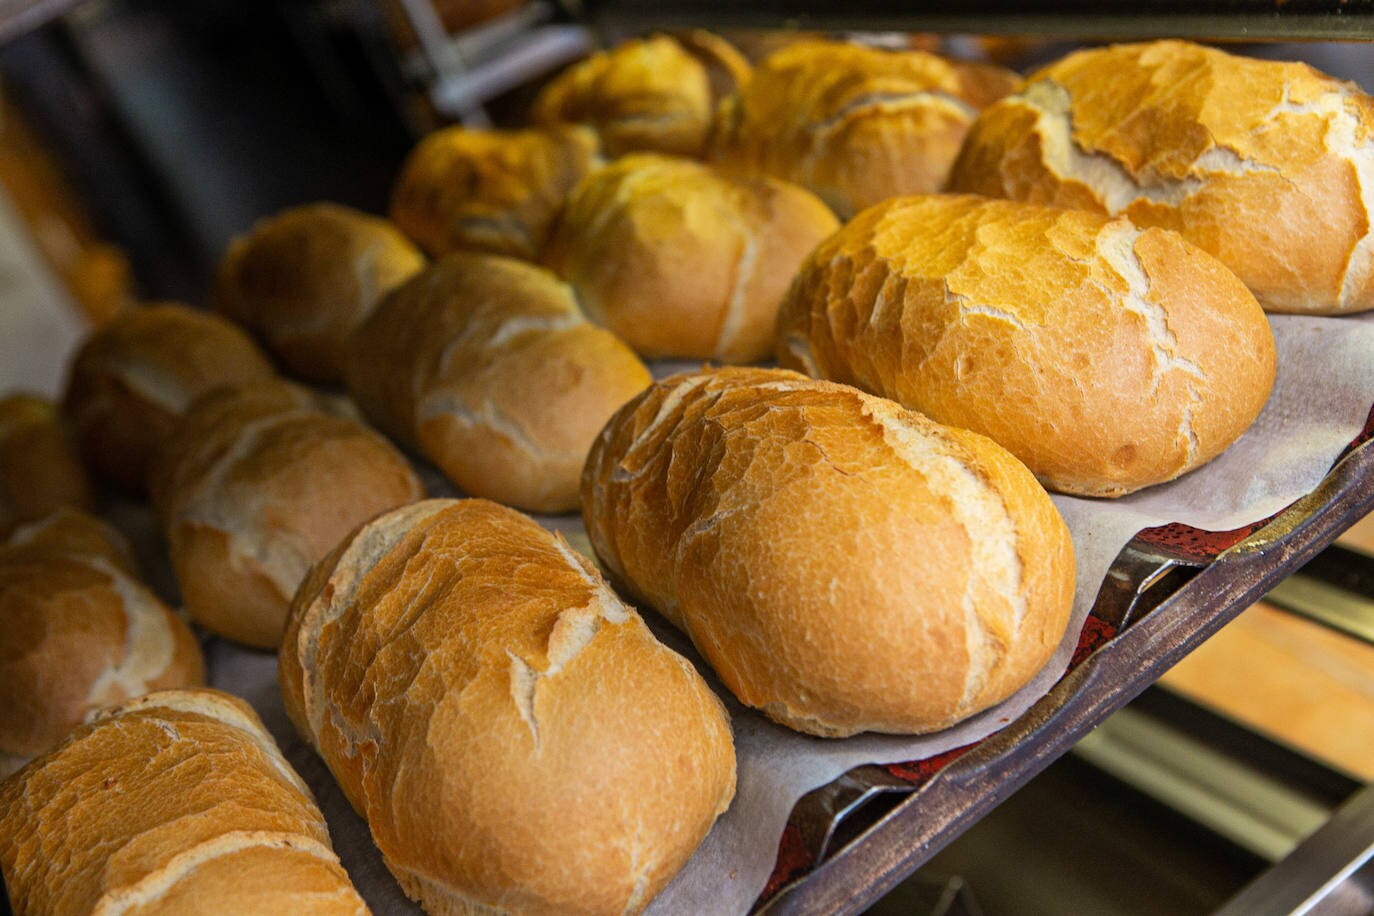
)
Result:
{"points": [[1326, 604]]}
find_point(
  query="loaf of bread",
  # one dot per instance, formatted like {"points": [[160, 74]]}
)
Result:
{"points": [[517, 739], [136, 374], [1268, 166], [844, 564], [496, 191], [257, 483], [486, 366], [856, 125], [1106, 357], [80, 633], [680, 260], [39, 471], [302, 280], [178, 802]]}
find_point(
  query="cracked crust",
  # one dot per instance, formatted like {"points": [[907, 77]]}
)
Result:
{"points": [[1084, 346], [515, 736], [844, 564], [1268, 166]]}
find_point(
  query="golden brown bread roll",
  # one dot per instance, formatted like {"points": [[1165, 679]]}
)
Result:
{"points": [[257, 483], [1106, 357], [844, 564], [726, 67], [39, 472], [680, 260], [135, 375], [302, 280], [1268, 166], [486, 366], [855, 125], [517, 739], [496, 191], [178, 802], [73, 531], [80, 633]]}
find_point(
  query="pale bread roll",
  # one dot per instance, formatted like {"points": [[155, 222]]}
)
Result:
{"points": [[855, 125], [257, 483], [517, 739], [844, 564], [178, 802], [136, 374], [1106, 357], [496, 191], [80, 633], [303, 279], [39, 471], [487, 367], [680, 260], [1268, 166]]}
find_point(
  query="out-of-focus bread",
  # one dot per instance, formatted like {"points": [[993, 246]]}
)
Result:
{"points": [[135, 376], [39, 472], [726, 67], [302, 280], [80, 633], [517, 739], [1268, 166], [256, 484], [73, 531], [855, 125], [1106, 357], [486, 365], [496, 191], [844, 564], [680, 260], [178, 802]]}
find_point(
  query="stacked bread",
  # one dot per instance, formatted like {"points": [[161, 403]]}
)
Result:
{"points": [[515, 736], [39, 472], [178, 802]]}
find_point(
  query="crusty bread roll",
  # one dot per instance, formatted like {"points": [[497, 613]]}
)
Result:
{"points": [[856, 125], [844, 564], [257, 483], [80, 633], [39, 472], [726, 67], [1106, 357], [302, 280], [136, 374], [517, 739], [496, 191], [178, 802], [73, 531], [680, 260], [486, 365], [1268, 166]]}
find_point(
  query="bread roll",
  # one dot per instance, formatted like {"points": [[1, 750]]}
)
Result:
{"points": [[490, 190], [175, 803], [257, 483], [73, 531], [39, 472], [302, 280], [1268, 166], [856, 125], [487, 366], [726, 67], [517, 739], [844, 564], [135, 376], [1106, 357], [680, 260], [80, 633]]}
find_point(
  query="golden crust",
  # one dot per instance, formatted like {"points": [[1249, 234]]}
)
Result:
{"points": [[489, 190], [1084, 346], [39, 471], [855, 125], [162, 804], [487, 366], [513, 733], [72, 531], [680, 260], [1268, 166], [844, 564], [302, 280]]}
